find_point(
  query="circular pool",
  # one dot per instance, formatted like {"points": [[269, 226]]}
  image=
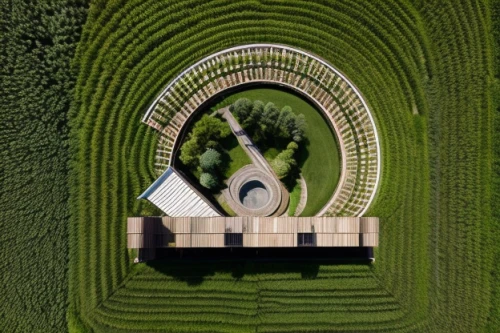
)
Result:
{"points": [[252, 192], [254, 195]]}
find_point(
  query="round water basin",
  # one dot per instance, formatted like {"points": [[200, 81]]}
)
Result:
{"points": [[254, 195]]}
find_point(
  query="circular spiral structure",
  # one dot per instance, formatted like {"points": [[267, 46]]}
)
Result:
{"points": [[319, 82], [248, 175]]}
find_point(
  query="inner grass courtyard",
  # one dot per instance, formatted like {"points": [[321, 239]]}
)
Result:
{"points": [[318, 157]]}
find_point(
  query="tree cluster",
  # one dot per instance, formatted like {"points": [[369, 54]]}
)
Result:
{"points": [[200, 151], [268, 121], [205, 135]]}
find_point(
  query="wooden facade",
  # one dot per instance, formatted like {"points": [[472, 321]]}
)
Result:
{"points": [[219, 232]]}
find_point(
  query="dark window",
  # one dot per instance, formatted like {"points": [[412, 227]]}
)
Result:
{"points": [[231, 239], [306, 239]]}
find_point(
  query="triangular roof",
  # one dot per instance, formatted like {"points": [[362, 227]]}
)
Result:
{"points": [[176, 197]]}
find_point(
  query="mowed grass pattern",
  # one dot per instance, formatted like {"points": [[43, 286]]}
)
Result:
{"points": [[393, 52], [320, 160], [264, 297]]}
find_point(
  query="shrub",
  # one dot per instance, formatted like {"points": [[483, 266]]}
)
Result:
{"points": [[287, 156], [280, 167], [190, 151], [210, 160], [292, 146], [208, 180], [284, 162]]}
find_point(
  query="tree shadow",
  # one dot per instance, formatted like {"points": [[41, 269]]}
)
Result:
{"points": [[227, 144], [303, 153], [194, 273], [275, 142], [291, 180]]}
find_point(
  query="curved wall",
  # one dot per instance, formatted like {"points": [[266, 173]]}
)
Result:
{"points": [[305, 73]]}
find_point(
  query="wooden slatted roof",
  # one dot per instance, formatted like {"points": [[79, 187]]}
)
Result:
{"points": [[210, 232]]}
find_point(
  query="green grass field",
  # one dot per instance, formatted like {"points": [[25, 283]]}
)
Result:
{"points": [[320, 160], [425, 76], [429, 72]]}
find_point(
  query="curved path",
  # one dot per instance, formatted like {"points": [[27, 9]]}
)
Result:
{"points": [[303, 196], [279, 201], [275, 204], [246, 143]]}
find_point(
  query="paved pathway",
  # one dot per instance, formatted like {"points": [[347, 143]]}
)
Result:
{"points": [[303, 196], [258, 160], [250, 148]]}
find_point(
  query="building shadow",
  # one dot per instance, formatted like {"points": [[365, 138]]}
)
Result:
{"points": [[193, 266]]}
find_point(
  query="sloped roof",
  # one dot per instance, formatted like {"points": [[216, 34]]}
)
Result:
{"points": [[177, 198]]}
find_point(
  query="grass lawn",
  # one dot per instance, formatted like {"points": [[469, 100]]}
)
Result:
{"points": [[237, 158], [318, 158], [294, 198], [223, 203]]}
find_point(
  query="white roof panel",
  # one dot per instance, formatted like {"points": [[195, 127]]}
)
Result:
{"points": [[177, 198]]}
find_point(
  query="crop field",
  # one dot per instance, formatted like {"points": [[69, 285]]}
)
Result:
{"points": [[38, 40], [429, 72], [432, 269]]}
